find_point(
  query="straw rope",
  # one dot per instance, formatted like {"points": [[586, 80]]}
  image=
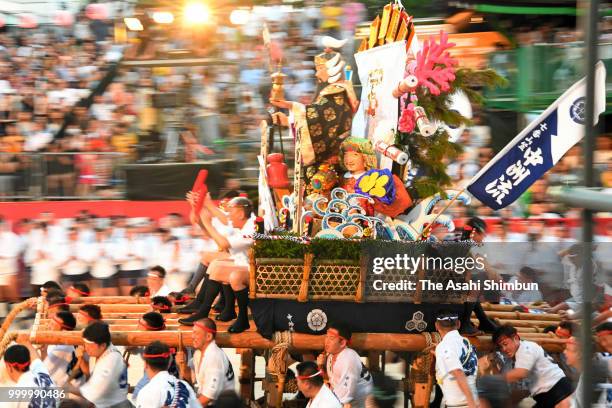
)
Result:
{"points": [[26, 304], [40, 309], [6, 341], [279, 357]]}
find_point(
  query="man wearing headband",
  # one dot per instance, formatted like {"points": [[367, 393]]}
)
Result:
{"points": [[212, 369], [25, 369], [604, 336], [152, 321], [58, 357], [456, 363], [229, 275], [88, 314], [156, 281], [161, 304], [107, 386], [548, 385], [310, 383], [78, 290], [164, 389], [349, 379]]}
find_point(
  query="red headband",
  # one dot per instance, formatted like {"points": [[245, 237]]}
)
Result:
{"points": [[21, 366], [604, 333], [206, 329], [80, 292], [305, 377], [183, 298], [53, 306], [61, 323], [158, 306], [86, 315], [146, 326], [162, 355], [562, 332]]}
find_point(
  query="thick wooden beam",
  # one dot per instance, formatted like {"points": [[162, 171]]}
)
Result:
{"points": [[525, 316], [117, 308], [105, 300], [251, 339]]}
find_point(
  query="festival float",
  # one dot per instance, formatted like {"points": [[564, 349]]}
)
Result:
{"points": [[369, 181]]}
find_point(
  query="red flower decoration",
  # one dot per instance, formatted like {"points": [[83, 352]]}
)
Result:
{"points": [[407, 120]]}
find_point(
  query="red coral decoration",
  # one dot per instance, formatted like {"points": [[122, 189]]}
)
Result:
{"points": [[407, 120], [435, 69]]}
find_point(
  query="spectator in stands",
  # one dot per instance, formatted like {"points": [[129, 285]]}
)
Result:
{"points": [[349, 379], [103, 267], [73, 258], [130, 253], [10, 248], [310, 383], [548, 385]]}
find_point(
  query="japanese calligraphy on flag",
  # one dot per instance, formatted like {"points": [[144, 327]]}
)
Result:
{"points": [[539, 146]]}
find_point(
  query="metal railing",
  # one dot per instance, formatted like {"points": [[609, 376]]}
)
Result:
{"points": [[62, 176], [540, 73]]}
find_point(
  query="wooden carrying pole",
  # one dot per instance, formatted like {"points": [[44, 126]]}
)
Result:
{"points": [[253, 340], [106, 300]]}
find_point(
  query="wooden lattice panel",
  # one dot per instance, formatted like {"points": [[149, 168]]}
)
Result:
{"points": [[279, 277], [328, 281]]}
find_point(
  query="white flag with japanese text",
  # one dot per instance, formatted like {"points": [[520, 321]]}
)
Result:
{"points": [[539, 146]]}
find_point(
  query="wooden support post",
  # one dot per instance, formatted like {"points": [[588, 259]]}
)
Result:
{"points": [[303, 295], [374, 361], [247, 374], [252, 273]]}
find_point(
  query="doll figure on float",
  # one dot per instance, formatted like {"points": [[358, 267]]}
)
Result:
{"points": [[326, 122], [387, 191]]}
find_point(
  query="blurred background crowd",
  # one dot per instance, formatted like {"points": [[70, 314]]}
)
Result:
{"points": [[78, 103]]}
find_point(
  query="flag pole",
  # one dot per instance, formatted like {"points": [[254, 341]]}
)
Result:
{"points": [[590, 44], [427, 229]]}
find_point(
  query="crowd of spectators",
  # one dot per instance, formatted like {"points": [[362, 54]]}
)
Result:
{"points": [[46, 74]]}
